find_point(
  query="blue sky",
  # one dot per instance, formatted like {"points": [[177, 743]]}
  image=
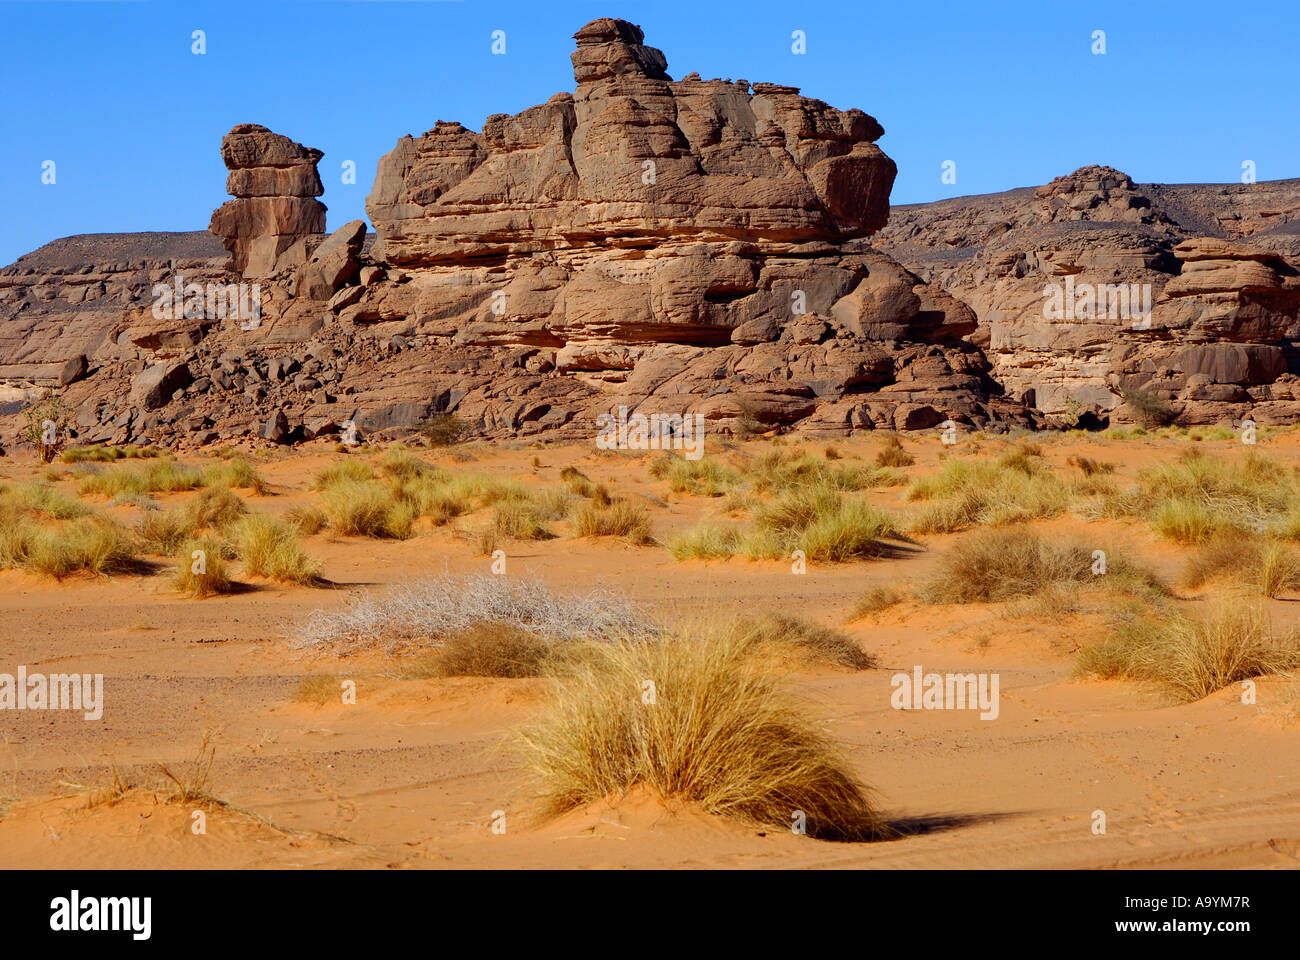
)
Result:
{"points": [[1010, 92]]}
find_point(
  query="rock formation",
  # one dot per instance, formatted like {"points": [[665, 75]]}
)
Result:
{"points": [[673, 246], [274, 183], [646, 241], [1096, 234]]}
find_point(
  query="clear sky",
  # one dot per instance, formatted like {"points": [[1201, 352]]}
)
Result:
{"points": [[1010, 92]]}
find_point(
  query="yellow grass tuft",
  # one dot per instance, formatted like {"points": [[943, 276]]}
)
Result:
{"points": [[1193, 658], [204, 575], [269, 548], [716, 731], [367, 509], [618, 519]]}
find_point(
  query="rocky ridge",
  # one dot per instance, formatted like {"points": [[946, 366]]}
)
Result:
{"points": [[676, 246]]}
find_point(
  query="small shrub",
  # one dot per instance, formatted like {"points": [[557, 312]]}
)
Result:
{"points": [[892, 453], [204, 575], [269, 548], [1193, 658], [720, 734], [619, 519], [443, 429], [1147, 408]]}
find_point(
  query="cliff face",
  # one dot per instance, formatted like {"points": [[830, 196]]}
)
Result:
{"points": [[670, 246], [673, 246], [651, 241], [1216, 263]]}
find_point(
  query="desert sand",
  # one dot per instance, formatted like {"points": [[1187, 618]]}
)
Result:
{"points": [[413, 774]]}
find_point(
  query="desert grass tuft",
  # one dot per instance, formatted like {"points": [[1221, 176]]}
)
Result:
{"points": [[875, 602], [892, 453], [268, 547], [490, 649], [200, 568], [1193, 658], [966, 493], [348, 470], [785, 633], [719, 733], [618, 519], [1268, 564], [367, 509], [991, 566], [236, 472]]}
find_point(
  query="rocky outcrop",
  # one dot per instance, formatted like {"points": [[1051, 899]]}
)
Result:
{"points": [[673, 246], [1220, 341], [274, 183], [650, 241], [1076, 284]]}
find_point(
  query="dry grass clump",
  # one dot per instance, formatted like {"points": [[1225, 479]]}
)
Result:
{"points": [[163, 532], [1089, 467], [307, 520], [424, 613], [706, 541], [824, 525], [788, 634], [705, 477], [363, 508], [990, 566], [1199, 496], [398, 463], [235, 472], [1193, 658], [215, 508], [967, 493], [85, 545], [582, 485], [875, 602], [617, 519], [521, 520], [778, 472], [268, 547], [892, 453], [105, 454], [491, 649], [160, 476], [204, 575], [43, 499], [344, 471], [432, 494], [1268, 564], [318, 689], [716, 732]]}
